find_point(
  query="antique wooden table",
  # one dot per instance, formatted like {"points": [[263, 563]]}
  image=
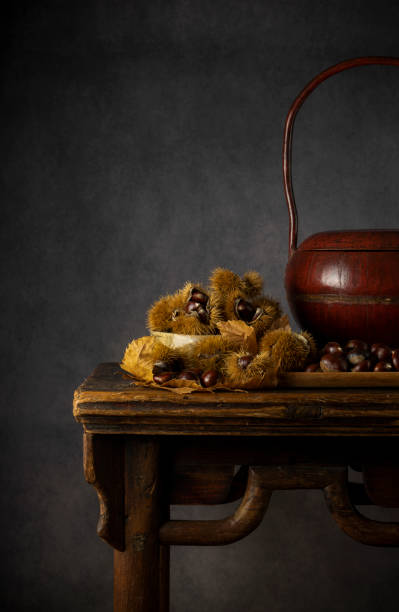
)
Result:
{"points": [[148, 448]]}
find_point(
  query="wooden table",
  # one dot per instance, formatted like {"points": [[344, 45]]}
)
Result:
{"points": [[148, 448]]}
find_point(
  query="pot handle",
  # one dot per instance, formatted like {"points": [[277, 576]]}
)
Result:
{"points": [[289, 127]]}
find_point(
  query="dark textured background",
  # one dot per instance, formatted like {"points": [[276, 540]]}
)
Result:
{"points": [[142, 145]]}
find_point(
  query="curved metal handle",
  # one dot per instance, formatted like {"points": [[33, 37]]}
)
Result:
{"points": [[289, 126]]}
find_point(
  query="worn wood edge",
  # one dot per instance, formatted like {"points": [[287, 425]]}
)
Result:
{"points": [[371, 430], [249, 412], [215, 413], [354, 417], [137, 403], [111, 374]]}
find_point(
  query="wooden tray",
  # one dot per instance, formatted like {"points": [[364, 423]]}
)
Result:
{"points": [[339, 379]]}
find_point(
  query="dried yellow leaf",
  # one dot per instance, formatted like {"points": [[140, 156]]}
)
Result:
{"points": [[240, 333], [137, 359]]}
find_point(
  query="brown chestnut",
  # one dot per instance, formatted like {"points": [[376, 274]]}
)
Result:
{"points": [[209, 378], [244, 361], [332, 348], [187, 375], [173, 365], [198, 296], [383, 366], [333, 362], [245, 310], [363, 366], [355, 357], [381, 352], [195, 371], [202, 314], [359, 346], [395, 359], [160, 366], [163, 377], [192, 306], [313, 367]]}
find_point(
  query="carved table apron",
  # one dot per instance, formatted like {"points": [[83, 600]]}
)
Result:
{"points": [[148, 448]]}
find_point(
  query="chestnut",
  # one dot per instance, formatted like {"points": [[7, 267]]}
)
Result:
{"points": [[244, 361], [355, 357], [358, 346], [195, 371], [383, 366], [198, 296], [333, 362], [192, 306], [313, 367], [395, 359], [167, 366], [209, 378], [381, 352], [332, 348], [187, 375], [202, 314], [363, 366], [245, 310], [163, 377], [160, 366]]}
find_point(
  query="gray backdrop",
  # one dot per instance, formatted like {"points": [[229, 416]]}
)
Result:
{"points": [[142, 146]]}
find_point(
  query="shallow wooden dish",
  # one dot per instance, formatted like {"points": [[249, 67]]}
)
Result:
{"points": [[339, 379], [176, 340]]}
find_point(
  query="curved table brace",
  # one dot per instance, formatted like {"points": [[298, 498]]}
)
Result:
{"points": [[352, 522], [224, 531], [262, 481]]}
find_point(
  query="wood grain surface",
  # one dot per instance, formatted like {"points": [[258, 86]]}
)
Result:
{"points": [[110, 402]]}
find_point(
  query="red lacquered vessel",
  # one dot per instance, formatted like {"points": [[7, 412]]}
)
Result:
{"points": [[342, 284]]}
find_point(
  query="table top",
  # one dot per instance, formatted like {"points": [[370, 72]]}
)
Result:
{"points": [[109, 401]]}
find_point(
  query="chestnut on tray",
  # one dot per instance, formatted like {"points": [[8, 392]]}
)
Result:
{"points": [[356, 356]]}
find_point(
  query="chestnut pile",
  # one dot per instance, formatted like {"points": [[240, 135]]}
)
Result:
{"points": [[356, 356], [161, 374], [198, 302]]}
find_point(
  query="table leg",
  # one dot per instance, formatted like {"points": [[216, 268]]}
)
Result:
{"points": [[141, 571], [164, 577]]}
